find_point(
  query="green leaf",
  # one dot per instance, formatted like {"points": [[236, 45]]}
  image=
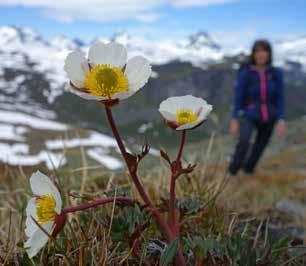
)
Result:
{"points": [[169, 253], [297, 251]]}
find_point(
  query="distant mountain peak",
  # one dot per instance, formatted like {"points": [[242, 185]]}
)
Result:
{"points": [[62, 42], [121, 37], [201, 39], [23, 34]]}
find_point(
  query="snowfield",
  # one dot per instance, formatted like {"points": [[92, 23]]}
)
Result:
{"points": [[10, 132], [20, 45], [109, 162], [18, 155], [24, 51], [94, 139], [11, 117], [14, 149]]}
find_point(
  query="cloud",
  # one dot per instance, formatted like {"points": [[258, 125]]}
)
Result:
{"points": [[94, 10], [148, 17], [106, 10], [192, 3]]}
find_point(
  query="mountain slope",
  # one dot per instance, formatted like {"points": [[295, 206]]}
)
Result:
{"points": [[32, 84]]}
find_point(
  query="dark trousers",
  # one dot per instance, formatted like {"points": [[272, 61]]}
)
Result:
{"points": [[246, 157]]}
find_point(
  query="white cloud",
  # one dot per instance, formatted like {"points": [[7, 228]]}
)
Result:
{"points": [[192, 3], [149, 17], [106, 10], [95, 10]]}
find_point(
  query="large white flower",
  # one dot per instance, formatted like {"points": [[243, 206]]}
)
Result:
{"points": [[106, 74], [45, 209], [184, 112]]}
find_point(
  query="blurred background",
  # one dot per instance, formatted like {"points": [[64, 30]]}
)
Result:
{"points": [[196, 47]]}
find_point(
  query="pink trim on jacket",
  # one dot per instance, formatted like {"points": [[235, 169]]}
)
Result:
{"points": [[263, 94]]}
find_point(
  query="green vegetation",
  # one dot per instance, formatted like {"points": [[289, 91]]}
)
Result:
{"points": [[224, 221]]}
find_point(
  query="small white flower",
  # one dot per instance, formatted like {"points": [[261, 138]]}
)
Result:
{"points": [[106, 74], [184, 112], [44, 209]]}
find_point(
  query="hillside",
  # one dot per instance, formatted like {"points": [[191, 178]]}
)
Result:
{"points": [[32, 87]]}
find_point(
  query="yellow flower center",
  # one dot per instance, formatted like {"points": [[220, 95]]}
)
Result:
{"points": [[185, 116], [45, 209], [105, 80]]}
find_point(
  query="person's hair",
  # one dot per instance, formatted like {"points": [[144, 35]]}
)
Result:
{"points": [[261, 44]]}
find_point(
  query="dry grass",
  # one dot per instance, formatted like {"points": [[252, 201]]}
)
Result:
{"points": [[89, 238]]}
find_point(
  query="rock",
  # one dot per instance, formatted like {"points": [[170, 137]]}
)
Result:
{"points": [[296, 233], [291, 207]]}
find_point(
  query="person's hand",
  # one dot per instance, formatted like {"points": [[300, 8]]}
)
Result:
{"points": [[234, 129], [281, 128]]}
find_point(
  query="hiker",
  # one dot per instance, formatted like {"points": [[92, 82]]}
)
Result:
{"points": [[258, 106]]}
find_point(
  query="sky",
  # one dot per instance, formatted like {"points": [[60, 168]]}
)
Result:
{"points": [[159, 19]]}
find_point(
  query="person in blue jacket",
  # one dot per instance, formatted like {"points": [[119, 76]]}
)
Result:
{"points": [[259, 105]]}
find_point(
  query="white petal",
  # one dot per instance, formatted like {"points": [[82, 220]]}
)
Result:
{"points": [[173, 104], [138, 71], [113, 54], [42, 185], [31, 226], [76, 66], [84, 95], [123, 95], [31, 208], [169, 105], [37, 241], [168, 116], [189, 125], [206, 109], [187, 102]]}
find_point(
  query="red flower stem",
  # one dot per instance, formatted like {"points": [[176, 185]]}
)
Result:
{"points": [[135, 178], [172, 205], [98, 202], [133, 173], [174, 175], [122, 148], [182, 143]]}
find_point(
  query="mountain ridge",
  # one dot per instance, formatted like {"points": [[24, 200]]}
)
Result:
{"points": [[32, 83]]}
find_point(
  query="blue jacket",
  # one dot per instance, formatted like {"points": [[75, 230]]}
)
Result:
{"points": [[259, 94]]}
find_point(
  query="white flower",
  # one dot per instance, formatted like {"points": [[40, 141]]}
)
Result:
{"points": [[106, 74], [44, 209], [184, 112]]}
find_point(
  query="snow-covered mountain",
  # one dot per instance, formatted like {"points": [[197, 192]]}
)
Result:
{"points": [[200, 47], [23, 48], [32, 79], [24, 52], [292, 50], [19, 46]]}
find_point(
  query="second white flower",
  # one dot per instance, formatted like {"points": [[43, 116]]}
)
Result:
{"points": [[184, 112]]}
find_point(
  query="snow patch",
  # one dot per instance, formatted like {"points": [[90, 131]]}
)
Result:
{"points": [[10, 132], [144, 127], [94, 139], [18, 155], [98, 154], [11, 117]]}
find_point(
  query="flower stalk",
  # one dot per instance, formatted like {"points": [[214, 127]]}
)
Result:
{"points": [[132, 165], [130, 160], [175, 172], [98, 202], [182, 143]]}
